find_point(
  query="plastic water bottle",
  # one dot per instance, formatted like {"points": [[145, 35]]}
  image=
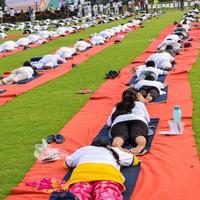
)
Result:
{"points": [[177, 116]]}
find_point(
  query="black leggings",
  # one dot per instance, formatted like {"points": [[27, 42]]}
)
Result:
{"points": [[129, 130], [153, 91]]}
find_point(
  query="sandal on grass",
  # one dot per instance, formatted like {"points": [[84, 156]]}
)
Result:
{"points": [[59, 138], [50, 139], [84, 91]]}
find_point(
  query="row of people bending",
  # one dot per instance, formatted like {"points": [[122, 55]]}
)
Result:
{"points": [[161, 63], [97, 172], [68, 25], [43, 35], [50, 61]]}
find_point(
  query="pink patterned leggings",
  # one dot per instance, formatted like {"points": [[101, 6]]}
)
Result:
{"points": [[98, 190]]}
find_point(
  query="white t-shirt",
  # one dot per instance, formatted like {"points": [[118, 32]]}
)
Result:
{"points": [[156, 84], [48, 60], [34, 38], [105, 34], [143, 68], [82, 45], [23, 41], [174, 38], [1, 14], [66, 52], [44, 34], [25, 69], [139, 112], [9, 45], [161, 59], [97, 39], [3, 35], [12, 12], [93, 154]]}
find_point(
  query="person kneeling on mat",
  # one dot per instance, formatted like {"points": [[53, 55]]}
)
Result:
{"points": [[97, 171], [25, 72], [129, 123]]}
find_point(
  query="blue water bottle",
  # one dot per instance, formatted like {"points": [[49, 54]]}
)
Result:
{"points": [[177, 116]]}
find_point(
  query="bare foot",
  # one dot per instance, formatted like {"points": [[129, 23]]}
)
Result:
{"points": [[141, 98], [136, 150], [149, 98]]}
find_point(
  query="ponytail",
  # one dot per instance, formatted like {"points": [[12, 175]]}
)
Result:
{"points": [[105, 144], [126, 104]]}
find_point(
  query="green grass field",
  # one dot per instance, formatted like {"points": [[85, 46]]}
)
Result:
{"points": [[45, 110], [194, 82]]}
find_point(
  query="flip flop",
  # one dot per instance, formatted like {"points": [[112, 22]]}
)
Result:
{"points": [[84, 91], [50, 139], [59, 138]]}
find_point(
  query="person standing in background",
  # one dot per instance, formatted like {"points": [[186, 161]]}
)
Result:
{"points": [[12, 15], [1, 16], [146, 4]]}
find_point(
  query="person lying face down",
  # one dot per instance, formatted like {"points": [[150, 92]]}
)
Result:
{"points": [[48, 61], [3, 35], [170, 43], [97, 39], [106, 34], [25, 72], [8, 46], [186, 25], [36, 39], [66, 52], [162, 60], [97, 169], [129, 122], [81, 45], [23, 41], [149, 88], [149, 68]]}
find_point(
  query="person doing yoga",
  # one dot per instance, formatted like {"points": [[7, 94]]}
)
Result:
{"points": [[129, 123], [97, 171], [27, 71]]}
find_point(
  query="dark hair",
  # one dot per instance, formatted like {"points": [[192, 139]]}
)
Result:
{"points": [[27, 63], [169, 49], [150, 77], [106, 144], [150, 63], [100, 143], [125, 106], [81, 39]]}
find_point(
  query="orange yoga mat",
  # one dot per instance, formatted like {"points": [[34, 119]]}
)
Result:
{"points": [[171, 169]]}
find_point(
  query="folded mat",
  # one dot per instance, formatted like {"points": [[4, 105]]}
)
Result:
{"points": [[130, 173]]}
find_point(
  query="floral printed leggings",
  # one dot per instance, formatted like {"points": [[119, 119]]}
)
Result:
{"points": [[98, 190]]}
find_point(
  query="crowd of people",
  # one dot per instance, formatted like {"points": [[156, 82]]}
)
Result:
{"points": [[97, 166], [50, 61]]}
